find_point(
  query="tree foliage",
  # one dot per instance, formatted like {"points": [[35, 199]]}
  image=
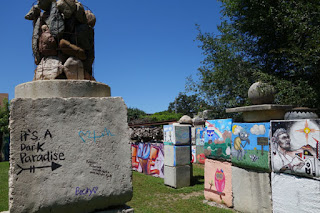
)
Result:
{"points": [[134, 114], [272, 41], [4, 117], [187, 105]]}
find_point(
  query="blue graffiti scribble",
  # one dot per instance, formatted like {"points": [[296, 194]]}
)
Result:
{"points": [[93, 135]]}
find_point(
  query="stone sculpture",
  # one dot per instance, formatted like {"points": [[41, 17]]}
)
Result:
{"points": [[63, 40]]}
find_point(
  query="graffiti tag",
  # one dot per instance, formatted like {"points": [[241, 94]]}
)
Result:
{"points": [[85, 135], [86, 191]]}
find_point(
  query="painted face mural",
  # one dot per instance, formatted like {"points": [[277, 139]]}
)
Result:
{"points": [[295, 147]]}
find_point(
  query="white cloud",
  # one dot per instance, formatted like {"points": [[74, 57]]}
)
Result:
{"points": [[258, 129]]}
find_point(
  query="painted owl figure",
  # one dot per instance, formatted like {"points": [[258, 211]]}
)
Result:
{"points": [[220, 180]]}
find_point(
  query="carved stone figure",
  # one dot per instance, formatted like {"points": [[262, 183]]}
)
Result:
{"points": [[62, 40]]}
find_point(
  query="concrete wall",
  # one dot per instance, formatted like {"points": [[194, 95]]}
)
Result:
{"points": [[218, 182], [295, 194], [251, 191], [177, 134], [218, 139], [148, 158]]}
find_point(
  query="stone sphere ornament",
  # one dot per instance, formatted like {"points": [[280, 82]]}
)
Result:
{"points": [[261, 93]]}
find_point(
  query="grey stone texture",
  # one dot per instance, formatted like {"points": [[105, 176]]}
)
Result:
{"points": [[62, 88], [177, 176], [177, 155], [69, 155], [251, 191]]}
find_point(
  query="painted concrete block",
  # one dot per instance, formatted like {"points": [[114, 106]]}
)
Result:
{"points": [[193, 154], [200, 154], [69, 155], [177, 176], [218, 139], [200, 135], [250, 145], [148, 158], [193, 135], [177, 134], [251, 191], [295, 147], [294, 194], [177, 155], [218, 182]]}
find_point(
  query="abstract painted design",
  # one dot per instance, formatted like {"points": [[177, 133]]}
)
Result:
{"points": [[250, 147], [295, 147], [200, 135], [194, 155], [148, 158], [218, 182], [218, 139]]}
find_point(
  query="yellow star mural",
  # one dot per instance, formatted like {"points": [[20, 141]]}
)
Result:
{"points": [[307, 130]]}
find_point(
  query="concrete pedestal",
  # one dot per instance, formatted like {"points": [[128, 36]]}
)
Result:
{"points": [[62, 89], [259, 113], [178, 176], [251, 191], [69, 155]]}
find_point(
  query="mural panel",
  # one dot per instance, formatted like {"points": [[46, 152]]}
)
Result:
{"points": [[295, 147], [194, 155], [148, 158], [250, 147], [218, 182], [200, 135], [218, 139]]}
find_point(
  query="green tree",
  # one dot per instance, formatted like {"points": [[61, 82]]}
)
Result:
{"points": [[4, 117], [135, 114], [4, 123], [164, 116], [272, 41], [187, 105]]}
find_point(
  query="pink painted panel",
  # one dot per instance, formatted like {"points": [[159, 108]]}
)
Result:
{"points": [[218, 182]]}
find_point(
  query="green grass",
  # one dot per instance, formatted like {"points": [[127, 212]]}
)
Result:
{"points": [[149, 194], [262, 164], [4, 188]]}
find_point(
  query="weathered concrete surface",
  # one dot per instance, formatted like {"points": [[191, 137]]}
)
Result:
{"points": [[295, 194], [176, 155], [62, 89], [218, 181], [251, 191], [177, 176], [69, 155]]}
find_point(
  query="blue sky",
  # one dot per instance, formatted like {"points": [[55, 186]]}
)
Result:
{"points": [[145, 49]]}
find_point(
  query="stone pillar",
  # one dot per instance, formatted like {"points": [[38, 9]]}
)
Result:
{"points": [[69, 152], [177, 155]]}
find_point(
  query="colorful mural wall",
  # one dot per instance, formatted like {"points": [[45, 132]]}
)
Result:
{"points": [[218, 139], [218, 182], [194, 154], [148, 158], [250, 147], [295, 147]]}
